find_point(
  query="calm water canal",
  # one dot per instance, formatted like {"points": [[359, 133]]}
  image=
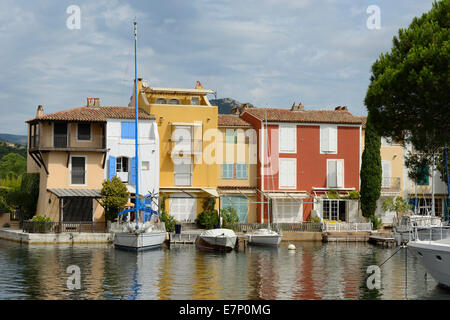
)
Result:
{"points": [[313, 271]]}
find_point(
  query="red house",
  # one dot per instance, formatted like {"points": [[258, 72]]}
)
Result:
{"points": [[304, 156]]}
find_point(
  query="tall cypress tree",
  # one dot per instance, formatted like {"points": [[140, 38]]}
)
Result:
{"points": [[370, 170]]}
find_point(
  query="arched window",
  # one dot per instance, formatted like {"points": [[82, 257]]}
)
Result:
{"points": [[161, 101], [174, 101]]}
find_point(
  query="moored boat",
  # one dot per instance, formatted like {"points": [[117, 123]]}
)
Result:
{"points": [[147, 236], [434, 254], [264, 237], [216, 240]]}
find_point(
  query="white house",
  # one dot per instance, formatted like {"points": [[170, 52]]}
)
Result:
{"points": [[121, 156]]}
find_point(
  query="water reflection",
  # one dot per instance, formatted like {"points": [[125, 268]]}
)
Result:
{"points": [[313, 271]]}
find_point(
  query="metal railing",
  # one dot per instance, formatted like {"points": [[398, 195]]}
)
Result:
{"points": [[58, 227], [390, 184], [430, 234], [300, 226], [347, 226]]}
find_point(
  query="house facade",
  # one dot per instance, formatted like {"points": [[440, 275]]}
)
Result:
{"points": [[236, 158], [187, 124], [69, 150], [303, 156]]}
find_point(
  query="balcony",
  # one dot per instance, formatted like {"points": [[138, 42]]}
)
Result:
{"points": [[64, 142], [390, 185]]}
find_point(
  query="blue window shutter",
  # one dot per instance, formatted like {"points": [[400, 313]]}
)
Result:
{"points": [[127, 130], [133, 171], [112, 167]]}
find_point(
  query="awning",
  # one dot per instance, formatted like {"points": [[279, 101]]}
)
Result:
{"points": [[66, 193], [287, 195], [188, 190]]}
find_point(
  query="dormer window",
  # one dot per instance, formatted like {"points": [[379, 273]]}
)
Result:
{"points": [[161, 101], [174, 101]]}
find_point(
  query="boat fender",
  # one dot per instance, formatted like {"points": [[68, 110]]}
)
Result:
{"points": [[291, 247]]}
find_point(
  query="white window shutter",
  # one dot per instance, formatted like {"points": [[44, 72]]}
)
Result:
{"points": [[332, 146], [387, 172], [324, 138], [331, 174], [340, 174]]}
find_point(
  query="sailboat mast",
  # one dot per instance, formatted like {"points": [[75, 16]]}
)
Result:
{"points": [[137, 204]]}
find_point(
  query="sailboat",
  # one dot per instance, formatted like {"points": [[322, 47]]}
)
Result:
{"points": [[265, 237], [146, 234]]}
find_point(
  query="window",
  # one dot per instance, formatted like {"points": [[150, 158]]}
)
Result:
{"points": [[241, 171], [335, 173], [227, 171], [287, 173], [240, 204], [145, 165], [122, 168], [60, 135], [182, 171], [231, 136], [161, 101], [386, 175], [334, 210], [328, 138], [423, 176], [84, 131], [287, 211], [128, 130], [78, 170], [174, 101], [195, 101], [287, 138]]}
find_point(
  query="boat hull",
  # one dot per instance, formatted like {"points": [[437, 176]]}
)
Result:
{"points": [[261, 240], [429, 253], [216, 243], [138, 242]]}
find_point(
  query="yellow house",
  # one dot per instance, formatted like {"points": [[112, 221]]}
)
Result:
{"points": [[237, 170], [392, 164], [68, 149], [187, 127]]}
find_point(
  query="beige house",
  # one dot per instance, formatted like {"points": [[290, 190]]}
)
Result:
{"points": [[68, 150], [392, 164], [236, 166]]}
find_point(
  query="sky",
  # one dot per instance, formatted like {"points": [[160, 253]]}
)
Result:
{"points": [[266, 52]]}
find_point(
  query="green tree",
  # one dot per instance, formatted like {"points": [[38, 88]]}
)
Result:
{"points": [[169, 220], [408, 95], [399, 205], [114, 197], [370, 170], [209, 217], [229, 217], [25, 197], [12, 165]]}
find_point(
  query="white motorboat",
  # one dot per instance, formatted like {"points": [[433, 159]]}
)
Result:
{"points": [[434, 254], [264, 237], [147, 236], [216, 240]]}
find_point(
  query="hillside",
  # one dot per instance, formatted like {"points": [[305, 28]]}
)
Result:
{"points": [[14, 138], [226, 104], [6, 148]]}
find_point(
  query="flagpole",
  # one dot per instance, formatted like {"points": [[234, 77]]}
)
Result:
{"points": [[137, 204]]}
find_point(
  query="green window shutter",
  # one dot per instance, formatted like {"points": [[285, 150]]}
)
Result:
{"points": [[424, 179], [241, 171], [227, 171], [230, 136]]}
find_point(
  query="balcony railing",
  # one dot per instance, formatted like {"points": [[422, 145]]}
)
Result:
{"points": [[64, 141], [58, 227], [390, 184]]}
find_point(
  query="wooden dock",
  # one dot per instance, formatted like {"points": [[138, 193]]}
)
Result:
{"points": [[335, 236], [382, 241]]}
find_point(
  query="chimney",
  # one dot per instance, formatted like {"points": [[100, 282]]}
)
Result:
{"points": [[198, 85], [93, 103], [40, 111], [236, 111], [300, 107]]}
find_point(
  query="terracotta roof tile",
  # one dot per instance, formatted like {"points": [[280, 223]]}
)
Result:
{"points": [[231, 120], [308, 116], [99, 114]]}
